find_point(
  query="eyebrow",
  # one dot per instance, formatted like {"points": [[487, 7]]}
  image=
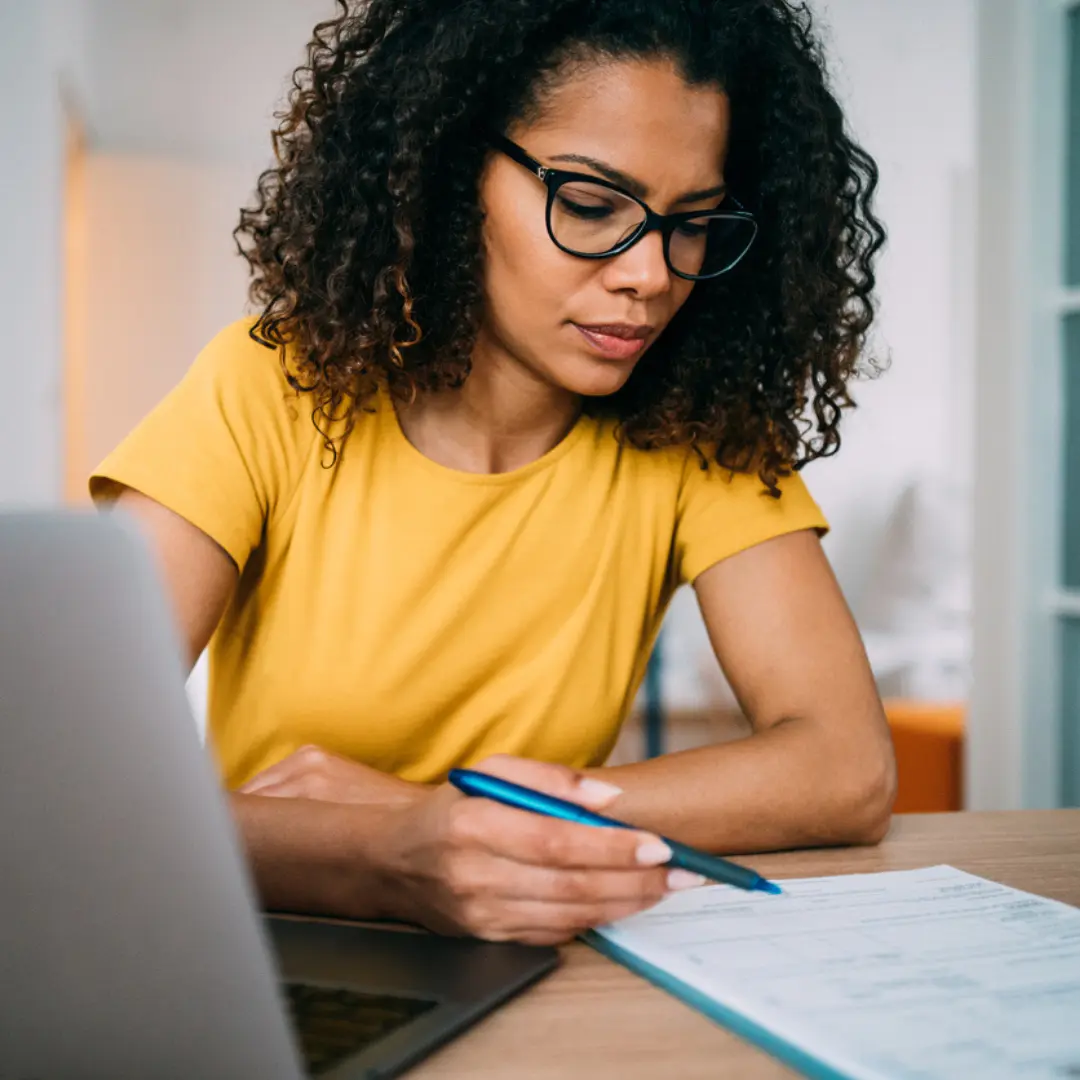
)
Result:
{"points": [[636, 187]]}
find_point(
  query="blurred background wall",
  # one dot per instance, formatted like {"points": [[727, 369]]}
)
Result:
{"points": [[142, 127], [44, 64]]}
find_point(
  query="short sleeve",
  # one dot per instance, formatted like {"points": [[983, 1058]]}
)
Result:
{"points": [[721, 513], [222, 448]]}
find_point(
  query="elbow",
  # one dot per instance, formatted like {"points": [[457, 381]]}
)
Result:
{"points": [[871, 793]]}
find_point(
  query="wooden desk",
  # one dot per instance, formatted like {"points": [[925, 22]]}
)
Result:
{"points": [[593, 1019]]}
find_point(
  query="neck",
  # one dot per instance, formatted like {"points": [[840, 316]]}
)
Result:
{"points": [[503, 418]]}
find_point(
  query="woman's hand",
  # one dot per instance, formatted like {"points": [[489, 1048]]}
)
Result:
{"points": [[463, 865], [314, 773]]}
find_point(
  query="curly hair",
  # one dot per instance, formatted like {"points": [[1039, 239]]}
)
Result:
{"points": [[364, 240]]}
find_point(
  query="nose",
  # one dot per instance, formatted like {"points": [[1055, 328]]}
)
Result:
{"points": [[640, 270]]}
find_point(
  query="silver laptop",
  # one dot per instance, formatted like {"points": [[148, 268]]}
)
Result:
{"points": [[131, 947]]}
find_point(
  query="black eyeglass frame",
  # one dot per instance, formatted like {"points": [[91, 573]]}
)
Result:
{"points": [[665, 224]]}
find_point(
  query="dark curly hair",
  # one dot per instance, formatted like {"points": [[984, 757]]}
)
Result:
{"points": [[364, 242]]}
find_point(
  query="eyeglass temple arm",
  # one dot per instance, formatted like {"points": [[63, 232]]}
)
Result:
{"points": [[512, 150]]}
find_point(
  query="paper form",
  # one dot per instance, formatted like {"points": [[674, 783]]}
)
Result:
{"points": [[908, 975]]}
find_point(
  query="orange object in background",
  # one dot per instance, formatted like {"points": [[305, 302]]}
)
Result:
{"points": [[929, 742]]}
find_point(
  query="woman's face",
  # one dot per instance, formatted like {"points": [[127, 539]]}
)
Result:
{"points": [[638, 119]]}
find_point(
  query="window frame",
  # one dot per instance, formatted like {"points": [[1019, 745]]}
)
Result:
{"points": [[1019, 752]]}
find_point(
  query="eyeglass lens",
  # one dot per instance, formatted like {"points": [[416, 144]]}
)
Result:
{"points": [[590, 219]]}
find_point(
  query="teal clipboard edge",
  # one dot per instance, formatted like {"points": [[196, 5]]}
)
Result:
{"points": [[736, 1022]]}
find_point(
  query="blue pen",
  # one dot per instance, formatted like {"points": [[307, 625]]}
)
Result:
{"points": [[683, 857]]}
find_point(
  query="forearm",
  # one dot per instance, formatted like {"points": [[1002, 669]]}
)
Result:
{"points": [[788, 786], [314, 857]]}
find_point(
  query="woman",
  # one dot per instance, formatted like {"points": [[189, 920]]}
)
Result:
{"points": [[554, 295]]}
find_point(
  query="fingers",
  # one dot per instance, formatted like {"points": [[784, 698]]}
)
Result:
{"points": [[538, 923], [264, 783], [480, 876], [306, 759], [558, 780], [546, 841], [508, 897], [542, 841], [286, 789], [535, 904]]}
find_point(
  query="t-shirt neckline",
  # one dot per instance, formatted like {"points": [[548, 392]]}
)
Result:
{"points": [[390, 418]]}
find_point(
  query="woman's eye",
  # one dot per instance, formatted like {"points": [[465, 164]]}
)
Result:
{"points": [[692, 230], [588, 211]]}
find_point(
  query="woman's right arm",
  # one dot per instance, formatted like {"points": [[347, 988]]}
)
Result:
{"points": [[302, 852], [454, 864]]}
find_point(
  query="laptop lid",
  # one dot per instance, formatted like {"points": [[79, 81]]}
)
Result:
{"points": [[129, 946]]}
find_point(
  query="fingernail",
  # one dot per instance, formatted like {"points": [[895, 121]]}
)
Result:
{"points": [[598, 792], [652, 853], [683, 879]]}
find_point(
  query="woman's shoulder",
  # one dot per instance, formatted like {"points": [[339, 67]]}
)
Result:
{"points": [[225, 448], [254, 383], [694, 474], [238, 354], [672, 465]]}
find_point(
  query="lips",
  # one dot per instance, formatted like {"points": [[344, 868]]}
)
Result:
{"points": [[618, 341]]}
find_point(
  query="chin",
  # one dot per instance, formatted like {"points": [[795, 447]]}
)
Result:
{"points": [[593, 379]]}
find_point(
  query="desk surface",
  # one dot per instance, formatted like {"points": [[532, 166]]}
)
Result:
{"points": [[594, 1019]]}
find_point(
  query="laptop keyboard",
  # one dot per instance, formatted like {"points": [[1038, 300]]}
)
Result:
{"points": [[332, 1023]]}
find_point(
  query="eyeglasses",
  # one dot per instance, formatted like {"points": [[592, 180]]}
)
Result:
{"points": [[596, 219]]}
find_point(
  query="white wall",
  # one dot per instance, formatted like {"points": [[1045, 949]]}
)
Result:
{"points": [[32, 142], [905, 70], [197, 79], [172, 159], [44, 73], [163, 277]]}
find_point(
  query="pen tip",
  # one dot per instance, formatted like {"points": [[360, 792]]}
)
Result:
{"points": [[769, 886]]}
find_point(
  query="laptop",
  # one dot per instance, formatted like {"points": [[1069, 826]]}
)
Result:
{"points": [[131, 944]]}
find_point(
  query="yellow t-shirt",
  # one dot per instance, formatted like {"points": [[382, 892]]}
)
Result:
{"points": [[411, 616]]}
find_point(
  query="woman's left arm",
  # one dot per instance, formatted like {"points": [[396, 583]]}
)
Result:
{"points": [[819, 767]]}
